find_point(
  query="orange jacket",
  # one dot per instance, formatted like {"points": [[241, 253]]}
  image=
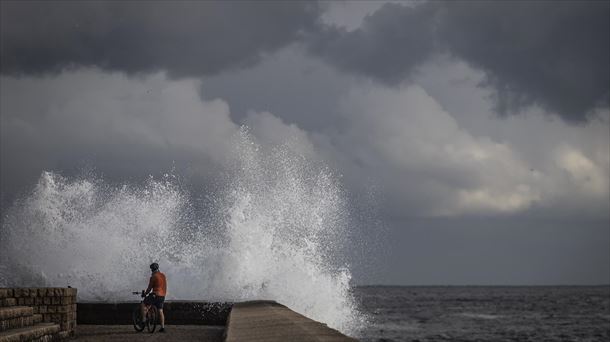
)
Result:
{"points": [[157, 284]]}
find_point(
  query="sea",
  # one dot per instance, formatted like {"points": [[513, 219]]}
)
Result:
{"points": [[485, 313]]}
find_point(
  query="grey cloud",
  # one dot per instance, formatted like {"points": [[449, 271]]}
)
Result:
{"points": [[110, 122], [183, 38], [289, 83], [394, 141], [389, 44], [551, 54]]}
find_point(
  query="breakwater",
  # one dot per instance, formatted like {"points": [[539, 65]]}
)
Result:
{"points": [[28, 314], [269, 321], [176, 313]]}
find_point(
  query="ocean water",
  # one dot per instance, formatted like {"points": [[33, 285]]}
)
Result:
{"points": [[473, 313]]}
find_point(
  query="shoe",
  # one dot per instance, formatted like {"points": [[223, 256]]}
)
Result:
{"points": [[162, 330]]}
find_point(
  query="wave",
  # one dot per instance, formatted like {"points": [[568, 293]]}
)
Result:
{"points": [[275, 227]]}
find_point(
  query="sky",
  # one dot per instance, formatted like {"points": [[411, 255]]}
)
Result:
{"points": [[473, 136]]}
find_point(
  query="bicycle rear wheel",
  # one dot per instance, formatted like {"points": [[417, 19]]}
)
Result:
{"points": [[136, 316], [152, 315]]}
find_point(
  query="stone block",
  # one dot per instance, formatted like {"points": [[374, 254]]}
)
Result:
{"points": [[20, 301], [14, 323], [38, 332], [63, 323], [15, 312], [47, 300], [56, 300], [37, 318], [64, 335], [28, 300], [51, 309], [9, 302], [4, 293], [33, 293]]}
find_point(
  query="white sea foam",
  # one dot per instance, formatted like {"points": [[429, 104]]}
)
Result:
{"points": [[275, 229]]}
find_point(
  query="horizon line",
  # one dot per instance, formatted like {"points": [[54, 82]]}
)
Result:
{"points": [[483, 285]]}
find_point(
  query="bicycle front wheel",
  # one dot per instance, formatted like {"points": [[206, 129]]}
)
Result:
{"points": [[136, 316], [152, 315]]}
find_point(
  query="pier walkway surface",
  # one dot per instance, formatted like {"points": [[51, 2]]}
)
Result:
{"points": [[252, 321], [117, 333], [272, 322]]}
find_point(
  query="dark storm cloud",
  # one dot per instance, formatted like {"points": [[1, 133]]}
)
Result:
{"points": [[389, 44], [553, 54], [184, 38]]}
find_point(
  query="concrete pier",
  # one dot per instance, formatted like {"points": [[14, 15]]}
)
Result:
{"points": [[269, 321], [28, 314], [252, 321]]}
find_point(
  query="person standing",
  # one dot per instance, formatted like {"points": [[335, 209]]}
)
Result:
{"points": [[158, 286]]}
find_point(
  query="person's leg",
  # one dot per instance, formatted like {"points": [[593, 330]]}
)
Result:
{"points": [[159, 305], [142, 312]]}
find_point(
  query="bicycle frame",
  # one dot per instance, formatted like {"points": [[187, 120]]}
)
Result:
{"points": [[150, 312]]}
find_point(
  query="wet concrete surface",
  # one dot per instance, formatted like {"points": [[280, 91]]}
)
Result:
{"points": [[97, 333], [268, 321]]}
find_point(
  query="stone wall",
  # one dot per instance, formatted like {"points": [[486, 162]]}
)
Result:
{"points": [[51, 305]]}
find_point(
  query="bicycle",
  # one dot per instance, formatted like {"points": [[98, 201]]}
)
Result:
{"points": [[150, 312]]}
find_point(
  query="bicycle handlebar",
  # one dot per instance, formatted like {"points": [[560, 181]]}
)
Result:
{"points": [[142, 294]]}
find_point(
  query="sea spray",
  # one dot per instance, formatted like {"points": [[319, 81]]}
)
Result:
{"points": [[275, 228]]}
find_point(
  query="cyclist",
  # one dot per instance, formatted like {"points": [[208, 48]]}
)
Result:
{"points": [[158, 286]]}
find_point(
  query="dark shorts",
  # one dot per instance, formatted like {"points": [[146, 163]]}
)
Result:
{"points": [[154, 300]]}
